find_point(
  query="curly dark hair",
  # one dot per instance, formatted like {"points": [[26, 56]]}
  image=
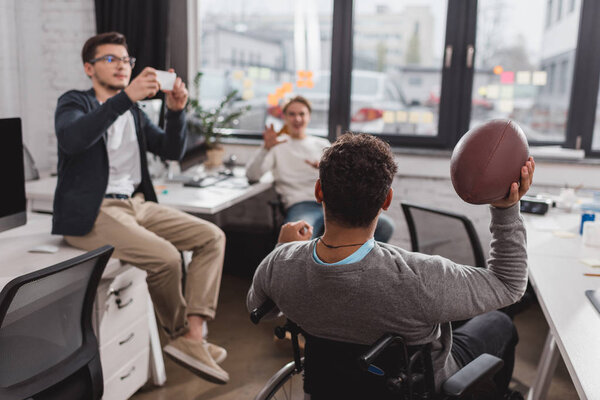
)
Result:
{"points": [[356, 174], [89, 48]]}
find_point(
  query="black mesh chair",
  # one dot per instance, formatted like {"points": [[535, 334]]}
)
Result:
{"points": [[387, 370], [48, 349], [438, 232]]}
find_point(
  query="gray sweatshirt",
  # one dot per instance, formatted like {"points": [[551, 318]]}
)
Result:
{"points": [[394, 290]]}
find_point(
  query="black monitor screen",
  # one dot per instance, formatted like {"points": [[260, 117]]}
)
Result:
{"points": [[12, 199]]}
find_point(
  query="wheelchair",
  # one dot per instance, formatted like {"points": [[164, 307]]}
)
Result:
{"points": [[388, 369]]}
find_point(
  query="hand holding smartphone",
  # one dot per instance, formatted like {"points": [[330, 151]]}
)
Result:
{"points": [[166, 79]]}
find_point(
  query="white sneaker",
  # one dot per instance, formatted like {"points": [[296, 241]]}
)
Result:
{"points": [[194, 355]]}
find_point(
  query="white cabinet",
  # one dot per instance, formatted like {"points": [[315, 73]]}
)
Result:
{"points": [[121, 322]]}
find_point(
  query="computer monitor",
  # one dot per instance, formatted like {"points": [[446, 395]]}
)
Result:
{"points": [[12, 201]]}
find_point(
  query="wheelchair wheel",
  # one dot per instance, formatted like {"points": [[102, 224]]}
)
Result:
{"points": [[287, 383]]}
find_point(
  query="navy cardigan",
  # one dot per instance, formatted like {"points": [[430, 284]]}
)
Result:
{"points": [[81, 124]]}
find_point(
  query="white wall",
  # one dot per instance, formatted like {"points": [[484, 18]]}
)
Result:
{"points": [[40, 47]]}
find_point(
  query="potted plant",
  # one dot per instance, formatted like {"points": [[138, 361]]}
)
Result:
{"points": [[211, 123]]}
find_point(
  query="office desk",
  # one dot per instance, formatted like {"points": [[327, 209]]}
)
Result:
{"points": [[210, 200], [556, 274], [127, 336]]}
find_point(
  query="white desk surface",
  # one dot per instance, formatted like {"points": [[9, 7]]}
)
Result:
{"points": [[556, 274], [208, 200], [16, 260]]}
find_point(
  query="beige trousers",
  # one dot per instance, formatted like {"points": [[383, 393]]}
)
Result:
{"points": [[149, 236]]}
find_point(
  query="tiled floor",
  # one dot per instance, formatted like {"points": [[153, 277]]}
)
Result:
{"points": [[254, 356]]}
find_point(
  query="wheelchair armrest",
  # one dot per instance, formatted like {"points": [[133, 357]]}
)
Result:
{"points": [[483, 367]]}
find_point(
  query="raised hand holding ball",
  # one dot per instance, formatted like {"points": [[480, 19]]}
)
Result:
{"points": [[487, 160]]}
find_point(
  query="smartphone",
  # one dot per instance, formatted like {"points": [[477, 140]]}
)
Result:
{"points": [[166, 79]]}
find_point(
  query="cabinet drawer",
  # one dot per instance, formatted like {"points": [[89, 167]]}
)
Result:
{"points": [[116, 313], [128, 379], [120, 284], [119, 350]]}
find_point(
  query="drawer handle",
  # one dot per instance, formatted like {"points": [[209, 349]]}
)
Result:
{"points": [[129, 373], [121, 305], [116, 292], [122, 342]]}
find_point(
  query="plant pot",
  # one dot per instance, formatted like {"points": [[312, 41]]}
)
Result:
{"points": [[214, 157]]}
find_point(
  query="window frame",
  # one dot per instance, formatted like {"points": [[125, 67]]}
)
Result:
{"points": [[457, 79]]}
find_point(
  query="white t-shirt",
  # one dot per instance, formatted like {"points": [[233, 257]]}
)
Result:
{"points": [[294, 178], [125, 167]]}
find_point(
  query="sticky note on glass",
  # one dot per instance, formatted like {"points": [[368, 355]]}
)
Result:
{"points": [[507, 92], [493, 91], [401, 116], [539, 78], [265, 74], [238, 75], [253, 73], [414, 117], [507, 77], [388, 117], [506, 106], [427, 117], [592, 262], [524, 77]]}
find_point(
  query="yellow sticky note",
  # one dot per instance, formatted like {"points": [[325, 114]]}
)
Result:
{"points": [[247, 94], [414, 117], [238, 75], [248, 83], [388, 117], [523, 77], [427, 117], [482, 91], [539, 78], [401, 116]]}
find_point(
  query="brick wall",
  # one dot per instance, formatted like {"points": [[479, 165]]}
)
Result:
{"points": [[39, 60]]}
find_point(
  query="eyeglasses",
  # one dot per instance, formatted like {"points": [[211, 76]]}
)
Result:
{"points": [[114, 59]]}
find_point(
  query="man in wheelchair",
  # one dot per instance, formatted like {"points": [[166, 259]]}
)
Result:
{"points": [[346, 287]]}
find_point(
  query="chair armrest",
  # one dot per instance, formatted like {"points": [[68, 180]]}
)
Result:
{"points": [[483, 367]]}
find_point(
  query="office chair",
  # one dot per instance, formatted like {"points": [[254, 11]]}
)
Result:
{"points": [[438, 232], [48, 347], [387, 370]]}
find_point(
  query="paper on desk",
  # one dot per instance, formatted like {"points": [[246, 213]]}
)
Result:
{"points": [[564, 234], [592, 262]]}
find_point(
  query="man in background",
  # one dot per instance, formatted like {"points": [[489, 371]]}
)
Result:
{"points": [[104, 195], [293, 158]]}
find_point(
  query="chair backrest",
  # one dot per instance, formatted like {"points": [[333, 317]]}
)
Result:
{"points": [[333, 369], [438, 232], [47, 345]]}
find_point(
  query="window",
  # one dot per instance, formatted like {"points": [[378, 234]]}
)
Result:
{"points": [[278, 49], [417, 72], [397, 48], [510, 78]]}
